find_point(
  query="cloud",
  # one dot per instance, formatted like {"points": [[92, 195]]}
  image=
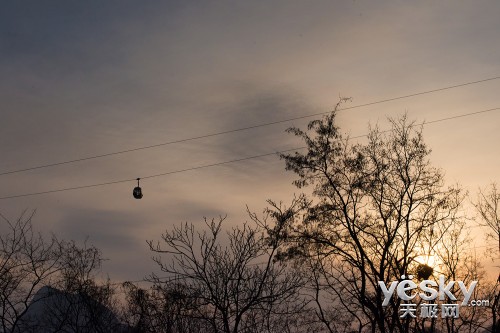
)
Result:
{"points": [[116, 234], [86, 78]]}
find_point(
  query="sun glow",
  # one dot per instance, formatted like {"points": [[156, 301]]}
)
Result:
{"points": [[429, 260]]}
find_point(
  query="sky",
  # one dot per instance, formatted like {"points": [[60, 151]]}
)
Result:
{"points": [[84, 78]]}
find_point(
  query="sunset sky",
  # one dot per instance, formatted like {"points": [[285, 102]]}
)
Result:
{"points": [[84, 78]]}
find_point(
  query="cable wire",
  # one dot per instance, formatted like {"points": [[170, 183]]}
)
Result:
{"points": [[226, 162], [151, 176], [242, 128]]}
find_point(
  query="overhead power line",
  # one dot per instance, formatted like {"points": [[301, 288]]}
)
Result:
{"points": [[224, 162], [242, 128]]}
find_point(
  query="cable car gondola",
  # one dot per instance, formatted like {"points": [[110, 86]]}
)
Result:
{"points": [[137, 190]]}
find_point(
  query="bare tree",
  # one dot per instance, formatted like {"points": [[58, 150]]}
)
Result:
{"points": [[238, 287], [49, 285], [488, 207], [454, 258], [167, 307], [371, 208], [77, 302], [27, 262]]}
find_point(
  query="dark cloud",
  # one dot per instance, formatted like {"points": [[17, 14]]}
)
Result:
{"points": [[251, 105]]}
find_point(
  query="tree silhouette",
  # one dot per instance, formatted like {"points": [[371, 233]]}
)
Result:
{"points": [[27, 263], [372, 211], [235, 288], [49, 285], [488, 207]]}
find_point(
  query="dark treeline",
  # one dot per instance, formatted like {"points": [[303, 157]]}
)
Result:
{"points": [[377, 211]]}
